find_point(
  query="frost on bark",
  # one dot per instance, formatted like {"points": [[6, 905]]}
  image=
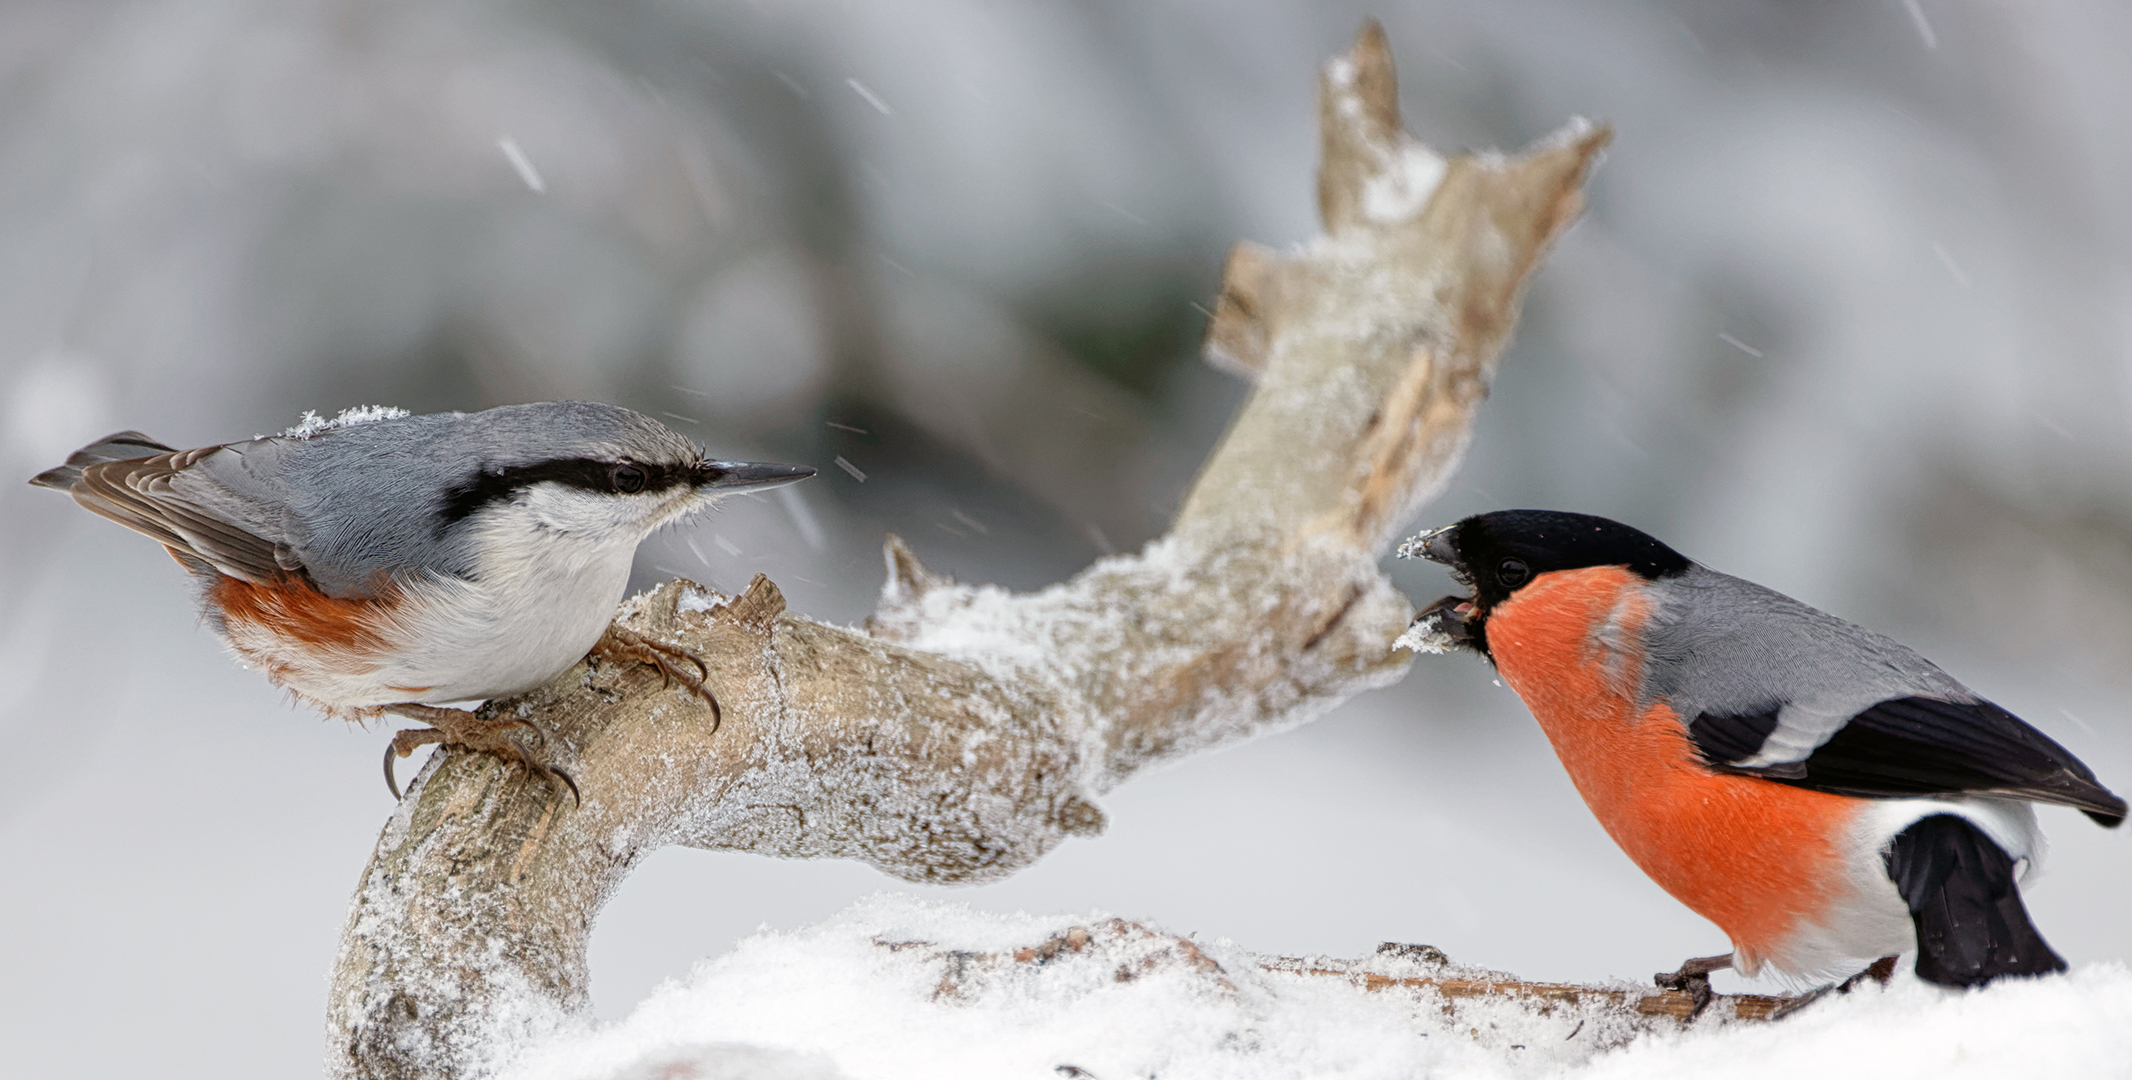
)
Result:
{"points": [[967, 730]]}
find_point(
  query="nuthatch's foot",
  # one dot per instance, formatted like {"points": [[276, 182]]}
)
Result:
{"points": [[455, 727], [620, 644], [1693, 977]]}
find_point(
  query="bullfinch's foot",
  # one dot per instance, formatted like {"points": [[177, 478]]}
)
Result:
{"points": [[1881, 971], [456, 727], [1787, 1006], [673, 662], [1693, 978]]}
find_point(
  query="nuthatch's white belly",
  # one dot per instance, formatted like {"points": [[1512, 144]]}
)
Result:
{"points": [[430, 639]]}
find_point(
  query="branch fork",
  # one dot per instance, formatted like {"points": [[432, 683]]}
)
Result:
{"points": [[968, 730]]}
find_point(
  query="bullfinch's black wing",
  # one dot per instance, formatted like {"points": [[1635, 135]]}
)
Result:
{"points": [[1917, 746]]}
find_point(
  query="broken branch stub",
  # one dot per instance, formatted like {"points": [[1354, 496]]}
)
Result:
{"points": [[969, 729]]}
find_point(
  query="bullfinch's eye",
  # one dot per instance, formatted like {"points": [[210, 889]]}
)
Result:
{"points": [[628, 478], [1512, 573]]}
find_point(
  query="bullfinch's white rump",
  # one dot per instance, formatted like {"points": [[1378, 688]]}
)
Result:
{"points": [[387, 563], [1826, 796]]}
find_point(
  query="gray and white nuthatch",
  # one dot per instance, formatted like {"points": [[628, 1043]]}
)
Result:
{"points": [[387, 563]]}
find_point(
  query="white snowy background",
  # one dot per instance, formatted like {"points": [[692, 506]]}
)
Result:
{"points": [[1851, 315]]}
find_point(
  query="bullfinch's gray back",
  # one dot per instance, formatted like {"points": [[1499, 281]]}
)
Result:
{"points": [[1723, 646]]}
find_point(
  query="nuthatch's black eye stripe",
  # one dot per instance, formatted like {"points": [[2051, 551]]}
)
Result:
{"points": [[589, 474]]}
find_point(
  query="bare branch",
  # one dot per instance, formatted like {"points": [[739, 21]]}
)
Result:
{"points": [[1416, 971], [969, 729]]}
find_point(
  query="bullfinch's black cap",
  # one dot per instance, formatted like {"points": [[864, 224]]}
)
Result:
{"points": [[1497, 553]]}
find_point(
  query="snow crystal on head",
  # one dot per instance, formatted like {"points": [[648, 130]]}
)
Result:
{"points": [[310, 423]]}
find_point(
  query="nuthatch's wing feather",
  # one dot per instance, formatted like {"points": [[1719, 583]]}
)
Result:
{"points": [[118, 446], [111, 448], [142, 494], [1773, 688], [350, 505]]}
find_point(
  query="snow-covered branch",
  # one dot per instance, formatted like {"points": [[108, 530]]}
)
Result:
{"points": [[968, 730]]}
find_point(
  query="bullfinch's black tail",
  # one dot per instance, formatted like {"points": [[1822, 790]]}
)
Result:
{"points": [[1971, 925]]}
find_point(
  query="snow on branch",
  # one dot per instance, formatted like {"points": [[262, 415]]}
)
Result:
{"points": [[968, 730]]}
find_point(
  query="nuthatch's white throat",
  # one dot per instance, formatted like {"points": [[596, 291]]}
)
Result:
{"points": [[392, 563]]}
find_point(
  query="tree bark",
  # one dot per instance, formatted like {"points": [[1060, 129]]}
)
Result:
{"points": [[968, 730]]}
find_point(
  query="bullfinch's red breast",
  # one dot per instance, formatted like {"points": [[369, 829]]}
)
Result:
{"points": [[1823, 794]]}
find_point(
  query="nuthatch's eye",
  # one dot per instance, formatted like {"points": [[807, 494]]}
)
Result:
{"points": [[627, 478], [1512, 573]]}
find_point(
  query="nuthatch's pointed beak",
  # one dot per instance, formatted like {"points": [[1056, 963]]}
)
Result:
{"points": [[759, 475]]}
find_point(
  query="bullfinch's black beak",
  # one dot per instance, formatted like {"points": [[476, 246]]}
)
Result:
{"points": [[760, 475], [1437, 546], [1451, 616]]}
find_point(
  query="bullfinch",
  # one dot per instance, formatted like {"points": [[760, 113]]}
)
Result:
{"points": [[1826, 796]]}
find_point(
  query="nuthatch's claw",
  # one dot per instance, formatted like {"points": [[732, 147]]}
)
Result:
{"points": [[454, 727], [621, 644], [575, 798]]}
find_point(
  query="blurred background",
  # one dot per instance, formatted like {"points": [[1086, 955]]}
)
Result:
{"points": [[1850, 314]]}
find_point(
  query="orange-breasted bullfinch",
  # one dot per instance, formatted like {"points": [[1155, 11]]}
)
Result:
{"points": [[1823, 794]]}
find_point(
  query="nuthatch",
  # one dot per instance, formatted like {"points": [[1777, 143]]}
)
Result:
{"points": [[387, 563]]}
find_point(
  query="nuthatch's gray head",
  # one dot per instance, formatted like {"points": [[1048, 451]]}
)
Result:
{"points": [[585, 470], [467, 494]]}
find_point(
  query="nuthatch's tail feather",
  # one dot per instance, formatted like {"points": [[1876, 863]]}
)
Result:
{"points": [[123, 446], [1971, 925]]}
